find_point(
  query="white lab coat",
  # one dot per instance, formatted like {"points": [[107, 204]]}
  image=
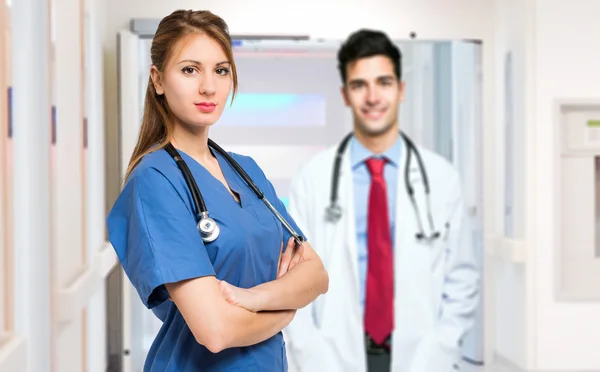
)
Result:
{"points": [[436, 285]]}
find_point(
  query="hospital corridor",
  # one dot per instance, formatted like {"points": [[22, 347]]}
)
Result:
{"points": [[484, 214]]}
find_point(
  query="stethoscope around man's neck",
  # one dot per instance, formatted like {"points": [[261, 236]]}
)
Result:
{"points": [[333, 212], [208, 227]]}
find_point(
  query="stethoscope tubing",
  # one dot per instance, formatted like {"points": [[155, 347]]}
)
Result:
{"points": [[200, 205], [333, 211]]}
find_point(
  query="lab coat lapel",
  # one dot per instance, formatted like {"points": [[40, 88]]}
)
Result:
{"points": [[404, 220], [412, 293], [404, 272], [349, 220], [342, 320]]}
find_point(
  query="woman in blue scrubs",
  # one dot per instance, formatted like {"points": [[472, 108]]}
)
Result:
{"points": [[225, 301]]}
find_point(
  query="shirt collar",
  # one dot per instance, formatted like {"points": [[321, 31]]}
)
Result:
{"points": [[359, 153]]}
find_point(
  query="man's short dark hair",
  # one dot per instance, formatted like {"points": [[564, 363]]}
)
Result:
{"points": [[368, 43]]}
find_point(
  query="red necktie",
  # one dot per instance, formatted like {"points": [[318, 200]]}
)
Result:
{"points": [[379, 307]]}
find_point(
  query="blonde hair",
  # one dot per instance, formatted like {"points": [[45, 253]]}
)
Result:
{"points": [[157, 126]]}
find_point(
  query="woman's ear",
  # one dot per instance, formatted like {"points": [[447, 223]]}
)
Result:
{"points": [[157, 80]]}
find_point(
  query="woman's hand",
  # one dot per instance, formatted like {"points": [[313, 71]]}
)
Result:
{"points": [[253, 299], [246, 298], [290, 258]]}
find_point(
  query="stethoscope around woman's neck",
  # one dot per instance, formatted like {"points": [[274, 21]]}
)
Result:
{"points": [[333, 212], [208, 227]]}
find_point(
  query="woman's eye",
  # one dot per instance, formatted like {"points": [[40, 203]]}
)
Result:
{"points": [[222, 71], [188, 70]]}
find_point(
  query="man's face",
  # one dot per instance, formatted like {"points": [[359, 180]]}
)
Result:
{"points": [[373, 92]]}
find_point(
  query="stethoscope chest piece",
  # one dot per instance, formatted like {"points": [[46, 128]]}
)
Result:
{"points": [[209, 229], [333, 213], [429, 238]]}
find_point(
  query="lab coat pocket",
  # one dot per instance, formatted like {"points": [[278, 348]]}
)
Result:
{"points": [[445, 359], [438, 254], [435, 357], [436, 284]]}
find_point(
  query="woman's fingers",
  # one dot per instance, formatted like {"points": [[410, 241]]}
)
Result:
{"points": [[226, 291], [286, 258], [291, 257], [297, 256], [280, 257]]}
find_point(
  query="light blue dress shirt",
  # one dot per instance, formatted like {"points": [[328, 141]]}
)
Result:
{"points": [[362, 183]]}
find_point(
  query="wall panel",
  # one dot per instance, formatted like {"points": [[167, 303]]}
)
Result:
{"points": [[73, 277], [6, 178]]}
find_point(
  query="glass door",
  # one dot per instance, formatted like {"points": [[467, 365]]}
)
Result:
{"points": [[290, 103]]}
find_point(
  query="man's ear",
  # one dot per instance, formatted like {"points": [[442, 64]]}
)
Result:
{"points": [[401, 90], [345, 95], [157, 80]]}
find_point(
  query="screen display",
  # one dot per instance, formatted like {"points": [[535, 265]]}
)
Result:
{"points": [[275, 109]]}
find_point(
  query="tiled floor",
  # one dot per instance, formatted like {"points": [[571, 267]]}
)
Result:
{"points": [[472, 368], [497, 368]]}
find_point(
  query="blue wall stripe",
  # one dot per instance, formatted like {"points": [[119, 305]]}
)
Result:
{"points": [[10, 113], [53, 124]]}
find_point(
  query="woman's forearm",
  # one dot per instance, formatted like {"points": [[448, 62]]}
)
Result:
{"points": [[219, 325], [297, 288], [245, 328]]}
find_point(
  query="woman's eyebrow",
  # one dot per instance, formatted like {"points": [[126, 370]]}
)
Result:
{"points": [[200, 63]]}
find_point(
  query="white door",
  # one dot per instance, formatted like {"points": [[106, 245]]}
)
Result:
{"points": [[80, 257]]}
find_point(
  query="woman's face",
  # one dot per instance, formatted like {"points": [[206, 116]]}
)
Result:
{"points": [[196, 81]]}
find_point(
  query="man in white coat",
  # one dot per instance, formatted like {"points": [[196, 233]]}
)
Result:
{"points": [[404, 284]]}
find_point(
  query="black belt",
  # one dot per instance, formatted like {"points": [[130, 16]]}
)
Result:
{"points": [[374, 349]]}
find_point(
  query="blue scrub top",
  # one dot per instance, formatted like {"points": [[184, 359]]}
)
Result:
{"points": [[153, 231]]}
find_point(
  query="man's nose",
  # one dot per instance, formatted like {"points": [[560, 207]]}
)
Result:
{"points": [[372, 95]]}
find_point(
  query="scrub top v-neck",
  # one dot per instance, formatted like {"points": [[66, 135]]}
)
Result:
{"points": [[153, 230]]}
